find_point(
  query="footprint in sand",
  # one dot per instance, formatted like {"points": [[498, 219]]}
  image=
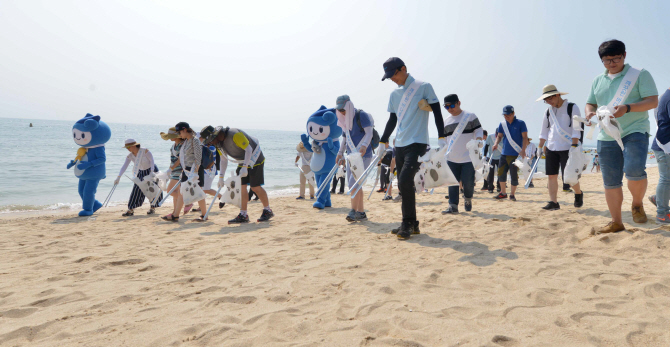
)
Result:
{"points": [[18, 313], [656, 290]]}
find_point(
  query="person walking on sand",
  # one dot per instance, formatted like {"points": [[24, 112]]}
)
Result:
{"points": [[495, 162], [190, 157], [661, 148], [559, 133], [143, 166], [628, 94], [412, 135], [532, 155], [596, 164], [357, 131], [514, 136], [304, 156], [460, 128], [246, 150], [175, 170]]}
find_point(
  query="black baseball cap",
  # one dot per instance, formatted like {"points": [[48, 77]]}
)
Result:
{"points": [[390, 67], [181, 126], [451, 99]]}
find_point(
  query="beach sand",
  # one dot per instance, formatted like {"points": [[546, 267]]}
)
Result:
{"points": [[505, 274]]}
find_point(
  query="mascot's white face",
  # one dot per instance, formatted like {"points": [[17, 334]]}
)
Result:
{"points": [[81, 138], [317, 131]]}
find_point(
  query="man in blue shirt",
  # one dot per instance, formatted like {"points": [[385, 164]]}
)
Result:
{"points": [[514, 135], [410, 105]]}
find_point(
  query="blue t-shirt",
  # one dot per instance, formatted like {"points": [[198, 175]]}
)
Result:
{"points": [[414, 126], [357, 133], [663, 122], [516, 129]]}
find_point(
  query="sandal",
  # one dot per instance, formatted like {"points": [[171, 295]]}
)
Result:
{"points": [[170, 218], [187, 208], [197, 209], [128, 213], [151, 211], [200, 219]]}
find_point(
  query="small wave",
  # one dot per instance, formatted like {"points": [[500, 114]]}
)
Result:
{"points": [[55, 207]]}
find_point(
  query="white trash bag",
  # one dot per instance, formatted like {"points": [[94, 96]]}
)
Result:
{"points": [[356, 165], [163, 180], [577, 163], [148, 186], [435, 172], [340, 173], [311, 179], [191, 191], [524, 167], [479, 174], [232, 193], [609, 124], [476, 154], [419, 179]]}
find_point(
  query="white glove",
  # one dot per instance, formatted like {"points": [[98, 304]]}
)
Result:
{"points": [[442, 142], [296, 164], [381, 150], [220, 182], [117, 180], [539, 152], [243, 172]]}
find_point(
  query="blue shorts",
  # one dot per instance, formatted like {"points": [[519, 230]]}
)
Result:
{"points": [[632, 160]]}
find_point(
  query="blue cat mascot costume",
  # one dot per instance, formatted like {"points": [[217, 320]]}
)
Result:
{"points": [[323, 129], [91, 134]]}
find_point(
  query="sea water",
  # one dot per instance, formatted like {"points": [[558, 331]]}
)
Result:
{"points": [[34, 174]]}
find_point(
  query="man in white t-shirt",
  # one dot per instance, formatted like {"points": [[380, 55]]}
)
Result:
{"points": [[557, 137], [458, 155]]}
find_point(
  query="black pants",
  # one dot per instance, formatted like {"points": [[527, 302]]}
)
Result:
{"points": [[384, 177], [335, 180], [488, 183], [407, 164]]}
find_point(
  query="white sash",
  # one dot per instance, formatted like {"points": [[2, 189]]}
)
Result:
{"points": [[627, 83], [458, 131], [406, 98], [564, 134], [350, 143], [509, 138]]}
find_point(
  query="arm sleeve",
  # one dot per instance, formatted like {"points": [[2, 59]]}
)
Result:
{"points": [[544, 131], [197, 152], [367, 138], [646, 84], [439, 122], [223, 166], [390, 126], [576, 126], [247, 157], [125, 166], [151, 160], [344, 144]]}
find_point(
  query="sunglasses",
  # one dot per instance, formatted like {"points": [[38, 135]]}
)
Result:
{"points": [[448, 106]]}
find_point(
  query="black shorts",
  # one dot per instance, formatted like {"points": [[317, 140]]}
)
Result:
{"points": [[555, 161], [201, 175], [255, 176]]}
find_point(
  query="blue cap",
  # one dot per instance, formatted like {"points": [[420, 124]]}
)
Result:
{"points": [[341, 101], [391, 65], [508, 110]]}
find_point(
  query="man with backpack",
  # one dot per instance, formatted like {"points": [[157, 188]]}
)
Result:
{"points": [[559, 133], [244, 150], [360, 137]]}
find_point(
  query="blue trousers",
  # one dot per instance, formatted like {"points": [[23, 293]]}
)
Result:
{"points": [[323, 200], [87, 190], [464, 173]]}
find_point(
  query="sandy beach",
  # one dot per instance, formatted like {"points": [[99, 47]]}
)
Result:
{"points": [[505, 274]]}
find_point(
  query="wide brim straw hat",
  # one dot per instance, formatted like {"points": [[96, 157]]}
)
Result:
{"points": [[130, 143], [548, 91], [171, 134]]}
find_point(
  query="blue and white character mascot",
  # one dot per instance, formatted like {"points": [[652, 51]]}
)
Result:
{"points": [[89, 165], [322, 128]]}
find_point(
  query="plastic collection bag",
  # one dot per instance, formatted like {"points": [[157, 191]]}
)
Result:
{"points": [[577, 163], [191, 191], [434, 172], [232, 193], [524, 167], [148, 186], [163, 180], [356, 165], [609, 124], [476, 154], [311, 179], [340, 173], [479, 174]]}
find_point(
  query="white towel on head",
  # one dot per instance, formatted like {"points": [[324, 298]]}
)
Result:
{"points": [[346, 122]]}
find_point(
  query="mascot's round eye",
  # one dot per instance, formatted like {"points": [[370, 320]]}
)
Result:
{"points": [[310, 129], [74, 135], [83, 135], [320, 129]]}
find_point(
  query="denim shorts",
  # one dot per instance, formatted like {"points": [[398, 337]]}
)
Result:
{"points": [[632, 160]]}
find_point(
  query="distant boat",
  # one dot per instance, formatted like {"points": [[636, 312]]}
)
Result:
{"points": [[31, 125]]}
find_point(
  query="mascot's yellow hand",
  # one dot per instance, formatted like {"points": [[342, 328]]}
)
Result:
{"points": [[81, 152]]}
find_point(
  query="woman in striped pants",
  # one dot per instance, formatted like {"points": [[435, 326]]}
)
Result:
{"points": [[143, 165]]}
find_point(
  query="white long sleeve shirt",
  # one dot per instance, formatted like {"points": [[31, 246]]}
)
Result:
{"points": [[146, 161], [550, 133]]}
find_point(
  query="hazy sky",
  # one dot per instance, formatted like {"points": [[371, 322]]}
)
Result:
{"points": [[270, 64]]}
